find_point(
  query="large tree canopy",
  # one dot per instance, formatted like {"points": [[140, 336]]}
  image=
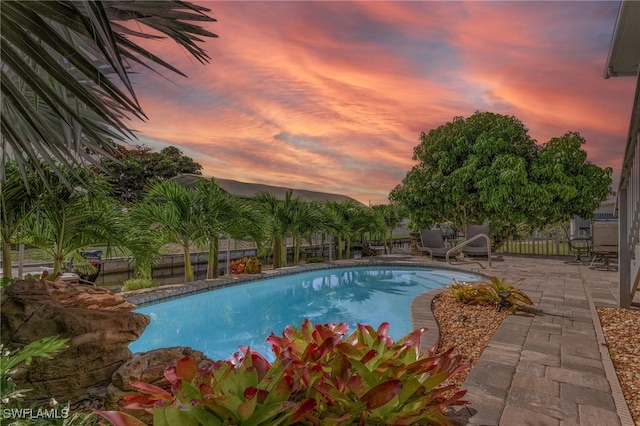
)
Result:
{"points": [[487, 168], [135, 169]]}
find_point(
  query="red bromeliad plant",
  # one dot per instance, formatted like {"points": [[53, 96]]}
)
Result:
{"points": [[319, 376], [244, 390], [237, 267], [366, 378]]}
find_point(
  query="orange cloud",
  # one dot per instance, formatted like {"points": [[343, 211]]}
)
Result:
{"points": [[334, 95]]}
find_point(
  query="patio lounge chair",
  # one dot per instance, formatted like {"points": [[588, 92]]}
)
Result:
{"points": [[579, 245], [604, 237], [477, 247], [432, 243]]}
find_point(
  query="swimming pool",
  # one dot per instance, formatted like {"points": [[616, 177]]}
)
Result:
{"points": [[218, 321]]}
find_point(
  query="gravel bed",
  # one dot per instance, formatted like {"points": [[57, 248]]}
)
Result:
{"points": [[620, 328], [469, 328], [466, 328]]}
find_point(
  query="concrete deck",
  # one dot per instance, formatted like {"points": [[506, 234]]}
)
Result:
{"points": [[548, 367]]}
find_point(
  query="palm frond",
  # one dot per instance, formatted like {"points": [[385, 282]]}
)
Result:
{"points": [[65, 71]]}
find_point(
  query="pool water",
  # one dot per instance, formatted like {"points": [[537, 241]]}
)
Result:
{"points": [[218, 321]]}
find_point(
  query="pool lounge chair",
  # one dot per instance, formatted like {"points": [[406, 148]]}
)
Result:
{"points": [[476, 243], [604, 237], [432, 243], [477, 247]]}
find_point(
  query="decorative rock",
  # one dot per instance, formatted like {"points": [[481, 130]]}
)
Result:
{"points": [[99, 324], [147, 367]]}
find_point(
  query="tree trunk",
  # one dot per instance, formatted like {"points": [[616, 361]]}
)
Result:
{"points": [[348, 247], [277, 253], [6, 260], [57, 264], [388, 242], [188, 271], [339, 242], [296, 249], [212, 261]]}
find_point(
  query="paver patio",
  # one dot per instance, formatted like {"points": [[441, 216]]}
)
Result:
{"points": [[549, 367]]}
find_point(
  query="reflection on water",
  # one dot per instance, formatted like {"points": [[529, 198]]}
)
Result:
{"points": [[218, 321]]}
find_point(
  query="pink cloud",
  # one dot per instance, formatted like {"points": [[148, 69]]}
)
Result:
{"points": [[334, 95]]}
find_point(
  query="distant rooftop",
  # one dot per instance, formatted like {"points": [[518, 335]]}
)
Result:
{"points": [[245, 189]]}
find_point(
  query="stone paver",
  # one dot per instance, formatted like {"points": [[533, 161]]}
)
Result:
{"points": [[561, 373]]}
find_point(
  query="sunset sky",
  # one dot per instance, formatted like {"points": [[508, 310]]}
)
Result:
{"points": [[333, 96]]}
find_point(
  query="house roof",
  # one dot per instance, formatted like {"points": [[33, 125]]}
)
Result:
{"points": [[624, 60], [245, 189], [624, 54]]}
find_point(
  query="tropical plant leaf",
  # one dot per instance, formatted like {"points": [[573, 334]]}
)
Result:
{"points": [[66, 66]]}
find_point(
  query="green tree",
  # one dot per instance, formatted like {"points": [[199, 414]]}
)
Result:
{"points": [[390, 215], [19, 199], [170, 207], [573, 185], [222, 213], [72, 218], [306, 220], [290, 216], [134, 170], [487, 168], [143, 243], [348, 219], [65, 71]]}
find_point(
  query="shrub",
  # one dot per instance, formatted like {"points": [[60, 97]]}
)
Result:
{"points": [[466, 293], [500, 292], [496, 291], [253, 266], [316, 259], [138, 284], [319, 376], [366, 377], [238, 266], [6, 282]]}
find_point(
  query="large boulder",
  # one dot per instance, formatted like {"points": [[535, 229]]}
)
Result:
{"points": [[147, 367], [99, 324]]}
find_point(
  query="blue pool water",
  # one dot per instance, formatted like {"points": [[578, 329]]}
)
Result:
{"points": [[218, 321]]}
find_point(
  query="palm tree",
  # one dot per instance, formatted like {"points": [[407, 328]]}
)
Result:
{"points": [[70, 219], [171, 207], [282, 217], [65, 71], [306, 220], [222, 213], [19, 199], [273, 221], [333, 222], [390, 217], [143, 243], [348, 219]]}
